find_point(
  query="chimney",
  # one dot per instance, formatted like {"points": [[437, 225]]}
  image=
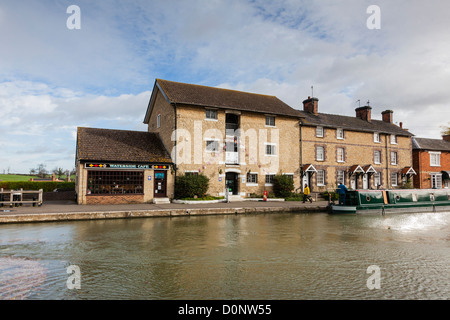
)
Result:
{"points": [[446, 137], [401, 125], [364, 113], [311, 105], [387, 116]]}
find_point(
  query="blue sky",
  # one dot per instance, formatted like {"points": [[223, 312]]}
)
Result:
{"points": [[53, 79]]}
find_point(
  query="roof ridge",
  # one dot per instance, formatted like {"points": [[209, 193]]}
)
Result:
{"points": [[218, 88]]}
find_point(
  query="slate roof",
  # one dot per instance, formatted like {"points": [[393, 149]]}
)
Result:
{"points": [[204, 96], [351, 123], [430, 144], [95, 144]]}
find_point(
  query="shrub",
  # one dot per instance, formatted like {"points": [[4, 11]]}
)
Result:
{"points": [[189, 186], [283, 185], [46, 186]]}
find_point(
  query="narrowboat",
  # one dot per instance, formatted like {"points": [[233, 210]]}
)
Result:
{"points": [[393, 201]]}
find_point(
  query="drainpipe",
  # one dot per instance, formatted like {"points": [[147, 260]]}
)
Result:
{"points": [[175, 147], [301, 155], [387, 162]]}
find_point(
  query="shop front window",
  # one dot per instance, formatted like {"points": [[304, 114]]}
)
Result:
{"points": [[115, 182]]}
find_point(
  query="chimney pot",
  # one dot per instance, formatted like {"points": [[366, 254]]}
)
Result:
{"points": [[387, 116], [364, 113], [311, 105]]}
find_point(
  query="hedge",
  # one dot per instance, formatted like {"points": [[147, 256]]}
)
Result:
{"points": [[46, 186], [283, 185], [189, 186]]}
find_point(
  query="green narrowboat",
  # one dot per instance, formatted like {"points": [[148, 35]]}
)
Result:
{"points": [[393, 201]]}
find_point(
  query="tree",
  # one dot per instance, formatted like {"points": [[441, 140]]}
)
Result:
{"points": [[58, 172], [445, 130], [283, 185], [41, 171]]}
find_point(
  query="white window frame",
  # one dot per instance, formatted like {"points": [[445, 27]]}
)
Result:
{"points": [[340, 133], [377, 157], [269, 120], [393, 139], [394, 158], [158, 121], [273, 149], [269, 176], [342, 155], [340, 177], [437, 159], [320, 132], [252, 182], [394, 179], [376, 137], [322, 153], [436, 180], [215, 149], [209, 112], [320, 178]]}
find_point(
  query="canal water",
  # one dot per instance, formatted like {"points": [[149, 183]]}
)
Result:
{"points": [[260, 256]]}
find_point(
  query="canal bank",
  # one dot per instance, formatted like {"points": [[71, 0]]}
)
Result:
{"points": [[54, 211]]}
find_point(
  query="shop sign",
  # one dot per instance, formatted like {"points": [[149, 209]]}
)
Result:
{"points": [[129, 166]]}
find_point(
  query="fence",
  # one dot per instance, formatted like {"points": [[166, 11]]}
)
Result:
{"points": [[20, 197]]}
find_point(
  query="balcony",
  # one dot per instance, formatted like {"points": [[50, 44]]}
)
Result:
{"points": [[231, 157]]}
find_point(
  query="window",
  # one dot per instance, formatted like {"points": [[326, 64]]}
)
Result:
{"points": [[269, 178], [158, 121], [252, 177], [319, 132], [320, 154], [320, 177], [394, 157], [270, 121], [377, 179], [340, 155], [377, 157], [191, 173], [290, 175], [212, 146], [393, 139], [436, 180], [270, 149], [393, 179], [376, 137], [435, 159], [340, 177], [211, 114], [115, 182], [340, 133]]}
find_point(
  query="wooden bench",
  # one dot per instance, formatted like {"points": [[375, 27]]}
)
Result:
{"points": [[20, 197]]}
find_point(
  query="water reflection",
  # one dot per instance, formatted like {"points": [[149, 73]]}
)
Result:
{"points": [[262, 256]]}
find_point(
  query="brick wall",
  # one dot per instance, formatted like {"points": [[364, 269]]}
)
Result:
{"points": [[421, 159]]}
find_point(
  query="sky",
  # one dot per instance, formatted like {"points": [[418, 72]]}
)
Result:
{"points": [[55, 77]]}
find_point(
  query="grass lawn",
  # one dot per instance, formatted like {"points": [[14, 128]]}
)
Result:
{"points": [[18, 177], [15, 177]]}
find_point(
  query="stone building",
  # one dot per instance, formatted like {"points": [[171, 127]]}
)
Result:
{"points": [[239, 140], [431, 161], [119, 166], [359, 151]]}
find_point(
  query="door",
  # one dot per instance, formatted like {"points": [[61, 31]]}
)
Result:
{"points": [[231, 182], [305, 180], [353, 182], [160, 185], [365, 181]]}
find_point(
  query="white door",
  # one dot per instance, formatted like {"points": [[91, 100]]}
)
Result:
{"points": [[365, 181], [305, 180], [352, 183]]}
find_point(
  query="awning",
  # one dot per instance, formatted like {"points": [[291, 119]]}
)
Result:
{"points": [[369, 169], [445, 175], [309, 168], [356, 169], [408, 170]]}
